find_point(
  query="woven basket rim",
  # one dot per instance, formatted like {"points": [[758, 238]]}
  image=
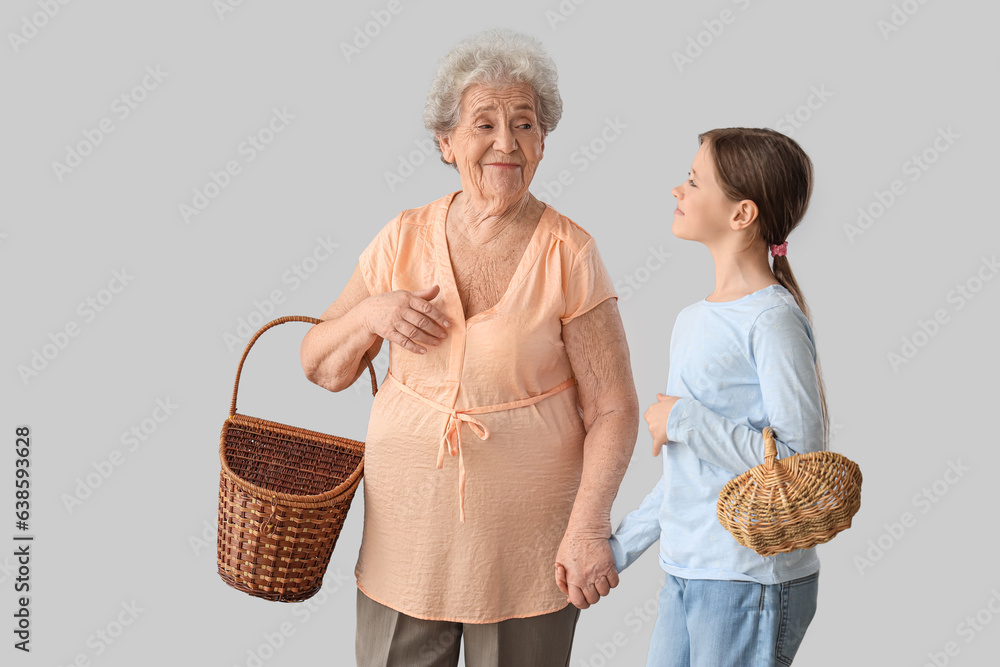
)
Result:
{"points": [[772, 476], [349, 485]]}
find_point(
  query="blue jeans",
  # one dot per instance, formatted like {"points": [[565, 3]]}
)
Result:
{"points": [[706, 623]]}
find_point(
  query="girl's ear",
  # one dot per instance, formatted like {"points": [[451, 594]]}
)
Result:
{"points": [[744, 215]]}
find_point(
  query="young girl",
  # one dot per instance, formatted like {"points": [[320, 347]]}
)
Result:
{"points": [[740, 360]]}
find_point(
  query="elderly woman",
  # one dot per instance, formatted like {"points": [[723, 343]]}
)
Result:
{"points": [[507, 353]]}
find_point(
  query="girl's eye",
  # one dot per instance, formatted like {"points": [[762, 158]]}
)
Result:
{"points": [[691, 183]]}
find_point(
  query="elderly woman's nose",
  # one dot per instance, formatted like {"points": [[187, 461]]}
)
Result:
{"points": [[504, 140]]}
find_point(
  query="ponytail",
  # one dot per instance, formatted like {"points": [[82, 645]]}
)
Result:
{"points": [[783, 273]]}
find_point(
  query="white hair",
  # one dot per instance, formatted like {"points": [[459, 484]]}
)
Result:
{"points": [[494, 58]]}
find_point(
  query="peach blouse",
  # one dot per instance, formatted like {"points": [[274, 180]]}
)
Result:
{"points": [[475, 449]]}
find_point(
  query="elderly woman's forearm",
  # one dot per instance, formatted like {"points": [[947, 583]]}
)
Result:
{"points": [[332, 351], [598, 351], [607, 451]]}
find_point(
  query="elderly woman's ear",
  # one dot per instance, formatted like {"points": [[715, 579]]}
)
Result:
{"points": [[447, 154]]}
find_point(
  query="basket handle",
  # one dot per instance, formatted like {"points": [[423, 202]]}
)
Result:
{"points": [[274, 323], [770, 449]]}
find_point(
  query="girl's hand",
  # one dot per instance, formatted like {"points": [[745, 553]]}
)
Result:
{"points": [[406, 318], [656, 416]]}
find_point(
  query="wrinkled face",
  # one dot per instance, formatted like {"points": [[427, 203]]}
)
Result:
{"points": [[703, 210], [498, 142]]}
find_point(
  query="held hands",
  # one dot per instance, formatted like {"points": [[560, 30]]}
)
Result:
{"points": [[585, 568], [407, 318], [656, 416]]}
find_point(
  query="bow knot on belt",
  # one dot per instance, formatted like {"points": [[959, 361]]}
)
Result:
{"points": [[452, 437]]}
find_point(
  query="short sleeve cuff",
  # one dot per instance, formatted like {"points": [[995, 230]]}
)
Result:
{"points": [[364, 264], [588, 284], [590, 307]]}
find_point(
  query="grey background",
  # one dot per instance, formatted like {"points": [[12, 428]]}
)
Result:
{"points": [[145, 534]]}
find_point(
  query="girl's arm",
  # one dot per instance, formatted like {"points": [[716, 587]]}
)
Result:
{"points": [[782, 348], [638, 530]]}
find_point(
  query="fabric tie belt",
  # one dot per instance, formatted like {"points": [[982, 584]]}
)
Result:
{"points": [[452, 437]]}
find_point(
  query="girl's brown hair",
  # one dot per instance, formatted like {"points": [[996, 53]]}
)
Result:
{"points": [[772, 171]]}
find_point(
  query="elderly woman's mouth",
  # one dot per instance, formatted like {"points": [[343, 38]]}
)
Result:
{"points": [[504, 165]]}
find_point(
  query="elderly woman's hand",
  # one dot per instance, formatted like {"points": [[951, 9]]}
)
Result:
{"points": [[406, 318], [585, 568]]}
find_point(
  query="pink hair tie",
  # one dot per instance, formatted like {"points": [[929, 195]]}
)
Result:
{"points": [[779, 250]]}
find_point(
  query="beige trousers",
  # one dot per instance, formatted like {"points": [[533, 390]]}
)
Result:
{"points": [[388, 638]]}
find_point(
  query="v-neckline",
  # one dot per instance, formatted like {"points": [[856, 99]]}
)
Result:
{"points": [[448, 269]]}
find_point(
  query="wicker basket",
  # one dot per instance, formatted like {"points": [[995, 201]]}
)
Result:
{"points": [[795, 503], [284, 493]]}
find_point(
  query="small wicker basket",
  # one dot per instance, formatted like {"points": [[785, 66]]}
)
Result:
{"points": [[284, 493], [795, 503]]}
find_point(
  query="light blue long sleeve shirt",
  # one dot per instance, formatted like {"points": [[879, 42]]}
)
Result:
{"points": [[738, 366]]}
